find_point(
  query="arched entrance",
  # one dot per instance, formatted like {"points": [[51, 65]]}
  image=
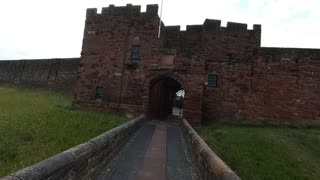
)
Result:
{"points": [[162, 96]]}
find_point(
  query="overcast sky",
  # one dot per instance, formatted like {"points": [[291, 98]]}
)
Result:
{"points": [[54, 28]]}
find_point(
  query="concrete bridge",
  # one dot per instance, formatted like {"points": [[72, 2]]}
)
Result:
{"points": [[138, 150]]}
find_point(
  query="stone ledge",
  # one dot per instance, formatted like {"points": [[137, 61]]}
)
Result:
{"points": [[205, 161], [81, 161]]}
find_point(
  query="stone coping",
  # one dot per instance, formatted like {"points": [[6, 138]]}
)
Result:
{"points": [[204, 160]]}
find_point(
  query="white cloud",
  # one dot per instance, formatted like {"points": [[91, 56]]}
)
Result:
{"points": [[54, 28]]}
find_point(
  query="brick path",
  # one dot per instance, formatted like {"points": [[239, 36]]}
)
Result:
{"points": [[155, 152]]}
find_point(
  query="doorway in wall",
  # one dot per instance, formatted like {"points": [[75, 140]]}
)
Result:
{"points": [[165, 98]]}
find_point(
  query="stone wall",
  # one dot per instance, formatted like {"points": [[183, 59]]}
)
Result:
{"points": [[105, 57], [228, 53], [277, 84], [254, 83], [285, 86], [207, 164], [106, 62], [59, 74], [82, 161]]}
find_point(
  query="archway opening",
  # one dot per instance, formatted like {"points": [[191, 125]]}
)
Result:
{"points": [[165, 98]]}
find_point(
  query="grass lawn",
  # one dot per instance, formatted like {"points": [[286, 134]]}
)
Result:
{"points": [[36, 124], [266, 151]]}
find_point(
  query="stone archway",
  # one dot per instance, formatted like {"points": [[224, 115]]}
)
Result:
{"points": [[193, 87], [162, 91]]}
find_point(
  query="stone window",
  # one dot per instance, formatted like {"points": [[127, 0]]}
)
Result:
{"points": [[135, 52], [99, 92], [212, 81]]}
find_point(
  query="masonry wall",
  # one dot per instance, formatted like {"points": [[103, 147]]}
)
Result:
{"points": [[57, 74], [202, 50], [286, 86], [280, 84], [254, 83], [188, 66], [105, 57], [206, 163], [229, 53]]}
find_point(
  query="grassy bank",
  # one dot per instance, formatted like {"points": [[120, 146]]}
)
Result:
{"points": [[36, 124], [266, 152]]}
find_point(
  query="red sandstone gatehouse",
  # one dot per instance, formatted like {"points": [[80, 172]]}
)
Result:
{"points": [[225, 73]]}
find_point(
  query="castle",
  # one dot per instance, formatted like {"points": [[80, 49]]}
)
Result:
{"points": [[225, 73]]}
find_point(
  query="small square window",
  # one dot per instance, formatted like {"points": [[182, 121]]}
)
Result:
{"points": [[135, 52], [212, 81], [99, 92]]}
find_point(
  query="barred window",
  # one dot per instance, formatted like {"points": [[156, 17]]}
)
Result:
{"points": [[99, 92], [212, 80], [135, 52]]}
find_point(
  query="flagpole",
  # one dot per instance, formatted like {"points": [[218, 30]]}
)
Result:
{"points": [[159, 32]]}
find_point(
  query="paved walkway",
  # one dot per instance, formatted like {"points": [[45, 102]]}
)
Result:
{"points": [[155, 152]]}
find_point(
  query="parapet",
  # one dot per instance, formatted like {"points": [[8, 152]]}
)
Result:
{"points": [[289, 51], [121, 10], [194, 28], [127, 10], [215, 25], [172, 28], [257, 27], [152, 10], [211, 25], [236, 26], [91, 11]]}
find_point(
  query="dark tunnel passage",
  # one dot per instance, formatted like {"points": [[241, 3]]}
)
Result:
{"points": [[163, 97]]}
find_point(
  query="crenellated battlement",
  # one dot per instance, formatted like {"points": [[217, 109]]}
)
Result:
{"points": [[122, 10], [152, 9], [127, 10], [212, 24], [215, 25], [194, 28], [236, 26]]}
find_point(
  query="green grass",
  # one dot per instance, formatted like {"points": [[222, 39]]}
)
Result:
{"points": [[265, 151], [36, 124]]}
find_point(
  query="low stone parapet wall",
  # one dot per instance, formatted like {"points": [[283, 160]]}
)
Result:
{"points": [[82, 161], [207, 164]]}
